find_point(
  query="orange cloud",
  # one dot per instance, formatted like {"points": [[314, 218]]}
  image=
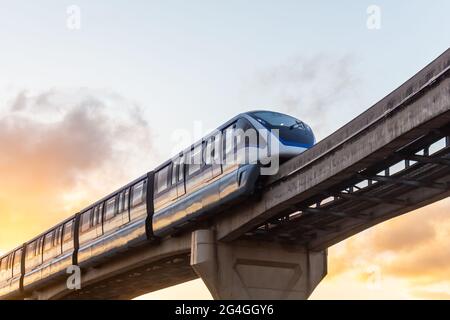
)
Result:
{"points": [[62, 149], [412, 248]]}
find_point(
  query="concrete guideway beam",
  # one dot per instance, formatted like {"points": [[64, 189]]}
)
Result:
{"points": [[256, 270]]}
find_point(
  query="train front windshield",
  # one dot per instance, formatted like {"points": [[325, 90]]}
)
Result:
{"points": [[292, 131]]}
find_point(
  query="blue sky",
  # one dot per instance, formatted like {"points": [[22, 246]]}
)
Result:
{"points": [[199, 63]]}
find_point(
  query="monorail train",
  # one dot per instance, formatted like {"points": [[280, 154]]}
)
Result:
{"points": [[160, 203]]}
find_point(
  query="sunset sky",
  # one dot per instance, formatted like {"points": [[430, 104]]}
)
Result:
{"points": [[85, 110]]}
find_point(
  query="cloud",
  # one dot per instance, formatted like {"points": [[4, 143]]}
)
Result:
{"points": [[413, 248], [318, 89], [20, 101], [62, 149]]}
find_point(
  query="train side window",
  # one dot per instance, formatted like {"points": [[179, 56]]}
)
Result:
{"points": [[48, 240], [228, 139], [120, 202], [244, 124], [208, 152], [68, 231], [111, 208], [123, 201], [39, 246], [2, 269], [6, 267], [248, 136], [9, 264], [162, 180], [138, 193], [195, 159], [229, 144], [97, 217], [181, 168], [57, 237], [175, 166], [86, 221], [31, 250], [67, 237], [126, 197], [17, 262], [10, 261]]}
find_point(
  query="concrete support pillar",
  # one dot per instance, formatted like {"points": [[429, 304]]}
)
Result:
{"points": [[256, 270]]}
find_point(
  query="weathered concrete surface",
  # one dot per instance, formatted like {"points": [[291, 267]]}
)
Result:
{"points": [[256, 270]]}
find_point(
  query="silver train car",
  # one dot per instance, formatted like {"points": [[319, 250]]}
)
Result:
{"points": [[204, 179]]}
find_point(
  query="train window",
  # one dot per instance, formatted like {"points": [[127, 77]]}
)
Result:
{"points": [[138, 193], [162, 180], [3, 266], [111, 208], [229, 144], [97, 216], [230, 139], [31, 249], [120, 202], [58, 235], [195, 159], [216, 147], [17, 262], [124, 200], [248, 136], [39, 246], [127, 199], [174, 173], [55, 237], [86, 221], [68, 231], [178, 170], [48, 240], [181, 169], [209, 151], [244, 124], [3, 269], [10, 261]]}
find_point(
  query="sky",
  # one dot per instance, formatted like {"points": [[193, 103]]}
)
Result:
{"points": [[95, 93]]}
